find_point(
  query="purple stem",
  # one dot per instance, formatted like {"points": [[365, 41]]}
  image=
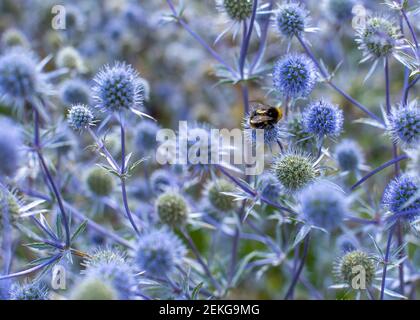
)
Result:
{"points": [[388, 249], [413, 33], [295, 279], [326, 76], [263, 41], [123, 187], [198, 38], [48, 176], [378, 169], [33, 269]]}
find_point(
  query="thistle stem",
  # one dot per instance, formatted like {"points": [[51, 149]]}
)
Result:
{"points": [[386, 258], [122, 177], [45, 170], [295, 279], [334, 86], [198, 38]]}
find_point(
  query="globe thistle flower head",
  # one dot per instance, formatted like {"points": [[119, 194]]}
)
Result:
{"points": [[401, 196], [145, 136], [14, 38], [237, 10], [111, 267], [323, 205], [69, 57], [294, 76], [10, 204], [215, 191], [350, 265], [92, 288], [21, 78], [10, 152], [339, 10], [290, 19], [349, 155], [159, 252], [294, 170], [322, 118], [118, 87], [75, 91], [172, 209], [269, 187], [160, 181], [403, 125], [377, 37], [99, 182], [80, 117], [29, 291]]}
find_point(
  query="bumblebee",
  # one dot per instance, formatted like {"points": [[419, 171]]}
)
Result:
{"points": [[264, 116]]}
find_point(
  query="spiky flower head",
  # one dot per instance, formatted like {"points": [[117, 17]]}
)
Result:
{"points": [[269, 187], [160, 181], [237, 10], [92, 288], [100, 182], [294, 170], [75, 91], [403, 125], [145, 136], [323, 205], [340, 10], [10, 143], [110, 266], [118, 87], [355, 263], [172, 209], [14, 38], [69, 57], [322, 118], [290, 19], [401, 196], [294, 76], [349, 155], [377, 37], [21, 78], [29, 291], [10, 205], [80, 117], [215, 191], [159, 252]]}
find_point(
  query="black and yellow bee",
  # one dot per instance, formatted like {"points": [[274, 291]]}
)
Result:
{"points": [[264, 116]]}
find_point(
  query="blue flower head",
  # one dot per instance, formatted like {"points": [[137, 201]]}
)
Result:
{"points": [[28, 291], [294, 76], [10, 143], [118, 87], [403, 124], [80, 117], [159, 252], [290, 19], [322, 118], [75, 91], [399, 192], [323, 205], [348, 155], [110, 266], [160, 181], [145, 136], [237, 10], [21, 79]]}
